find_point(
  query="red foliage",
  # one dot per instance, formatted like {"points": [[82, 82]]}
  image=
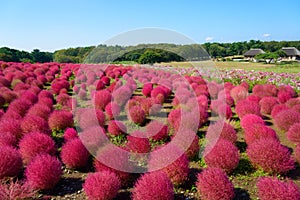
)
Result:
{"points": [[224, 111], [171, 160], [156, 130], [40, 110], [293, 133], [258, 131], [7, 138], [251, 119], [74, 154], [277, 109], [254, 98], [35, 143], [11, 126], [69, 134], [286, 118], [153, 186], [10, 162], [222, 130], [297, 153], [270, 155], [43, 172], [222, 154], [60, 120], [101, 185], [147, 89], [272, 188], [238, 93], [137, 144], [245, 107], [112, 110], [20, 106], [102, 98], [267, 104], [137, 115], [16, 190], [292, 102], [91, 117], [33, 123], [213, 184], [116, 128]]}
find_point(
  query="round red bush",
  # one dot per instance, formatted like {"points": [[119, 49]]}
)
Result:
{"points": [[40, 110], [147, 89], [277, 109], [74, 154], [35, 143], [286, 118], [33, 123], [222, 130], [137, 144], [153, 186], [112, 110], [251, 119], [7, 138], [238, 93], [293, 133], [101, 185], [163, 160], [225, 111], [43, 172], [70, 134], [213, 184], [156, 130], [137, 115], [270, 155], [102, 98], [258, 131], [222, 154], [11, 126], [245, 107], [60, 120], [20, 106], [267, 104], [272, 188], [116, 128], [10, 162]]}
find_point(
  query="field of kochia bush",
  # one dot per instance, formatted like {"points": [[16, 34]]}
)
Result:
{"points": [[69, 116]]}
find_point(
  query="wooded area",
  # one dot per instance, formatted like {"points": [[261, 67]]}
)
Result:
{"points": [[143, 53]]}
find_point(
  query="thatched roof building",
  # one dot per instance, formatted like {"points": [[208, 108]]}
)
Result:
{"points": [[253, 52]]}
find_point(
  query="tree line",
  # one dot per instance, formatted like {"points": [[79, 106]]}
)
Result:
{"points": [[143, 53]]}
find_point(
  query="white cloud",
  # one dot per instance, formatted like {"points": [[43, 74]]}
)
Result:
{"points": [[266, 35], [207, 39]]}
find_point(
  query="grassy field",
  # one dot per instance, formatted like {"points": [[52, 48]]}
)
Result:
{"points": [[287, 68]]}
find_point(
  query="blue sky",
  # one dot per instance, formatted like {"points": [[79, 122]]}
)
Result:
{"points": [[54, 24]]}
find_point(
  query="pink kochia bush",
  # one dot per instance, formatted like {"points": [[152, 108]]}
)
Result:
{"points": [[11, 126], [272, 188], [245, 107], [74, 154], [222, 130], [137, 144], [293, 133], [16, 190], [171, 160], [69, 134], [116, 128], [286, 118], [35, 143], [156, 130], [33, 123], [251, 119], [112, 110], [267, 104], [101, 185], [258, 131], [278, 108], [136, 114], [223, 154], [60, 120], [102, 98], [271, 156], [213, 184], [238, 93], [43, 172], [153, 186], [10, 162]]}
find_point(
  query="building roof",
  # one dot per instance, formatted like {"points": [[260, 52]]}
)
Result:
{"points": [[253, 52], [291, 51]]}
